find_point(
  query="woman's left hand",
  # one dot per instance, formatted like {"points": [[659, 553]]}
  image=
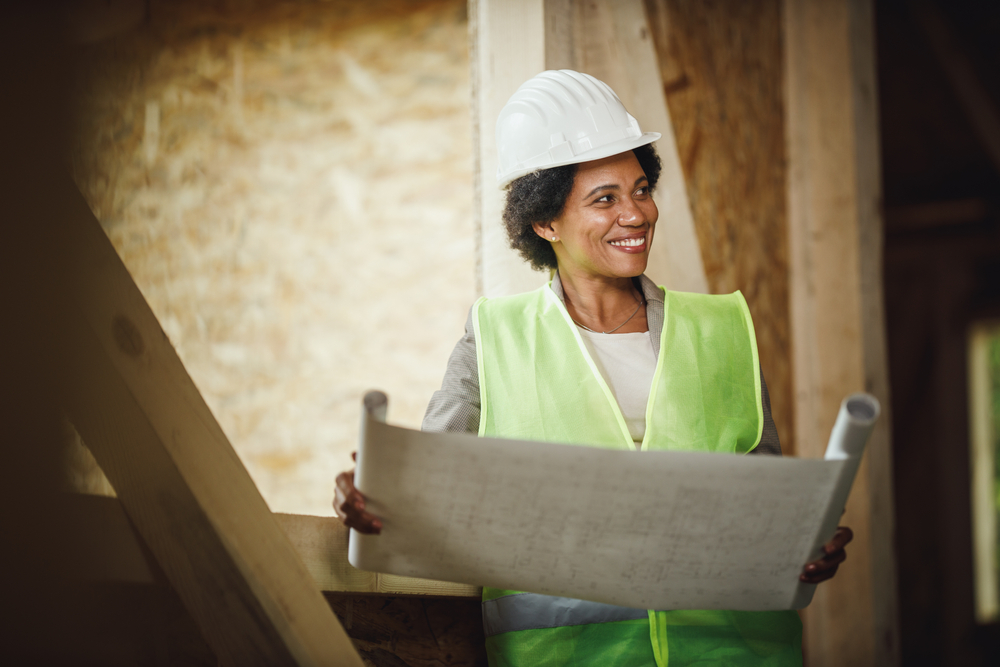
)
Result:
{"points": [[825, 567]]}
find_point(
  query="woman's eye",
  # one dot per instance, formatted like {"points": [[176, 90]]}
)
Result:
{"points": [[643, 191], [606, 199]]}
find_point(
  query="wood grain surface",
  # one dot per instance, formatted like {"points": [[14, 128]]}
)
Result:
{"points": [[837, 308], [722, 75], [106, 547], [182, 485]]}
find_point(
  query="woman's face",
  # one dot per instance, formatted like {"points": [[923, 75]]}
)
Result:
{"points": [[606, 227]]}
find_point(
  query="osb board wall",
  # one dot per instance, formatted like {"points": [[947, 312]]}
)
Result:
{"points": [[721, 64], [413, 631], [290, 186]]}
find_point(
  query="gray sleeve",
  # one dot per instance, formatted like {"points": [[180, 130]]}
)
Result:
{"points": [[769, 438], [455, 406]]}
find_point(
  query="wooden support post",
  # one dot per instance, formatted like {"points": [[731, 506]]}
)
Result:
{"points": [[514, 40], [973, 96], [838, 328], [612, 40], [179, 480], [508, 40]]}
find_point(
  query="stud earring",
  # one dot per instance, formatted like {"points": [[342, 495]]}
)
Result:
{"points": [[553, 238]]}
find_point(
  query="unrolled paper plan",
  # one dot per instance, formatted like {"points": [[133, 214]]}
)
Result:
{"points": [[649, 530]]}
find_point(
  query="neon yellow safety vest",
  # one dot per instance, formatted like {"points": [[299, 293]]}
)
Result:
{"points": [[537, 381]]}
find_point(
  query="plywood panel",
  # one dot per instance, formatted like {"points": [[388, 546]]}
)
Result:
{"points": [[722, 76], [612, 40], [417, 632], [290, 186]]}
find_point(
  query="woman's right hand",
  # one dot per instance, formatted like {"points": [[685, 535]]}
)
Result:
{"points": [[349, 505]]}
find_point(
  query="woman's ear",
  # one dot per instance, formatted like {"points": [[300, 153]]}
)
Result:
{"points": [[544, 229]]}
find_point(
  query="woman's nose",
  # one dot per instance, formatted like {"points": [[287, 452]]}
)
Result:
{"points": [[631, 214]]}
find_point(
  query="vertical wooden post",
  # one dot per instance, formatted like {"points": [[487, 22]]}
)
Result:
{"points": [[508, 47], [838, 328], [614, 42]]}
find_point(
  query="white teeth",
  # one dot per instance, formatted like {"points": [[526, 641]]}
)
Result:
{"points": [[630, 242]]}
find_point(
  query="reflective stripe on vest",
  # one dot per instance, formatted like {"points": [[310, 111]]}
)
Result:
{"points": [[538, 382], [530, 611]]}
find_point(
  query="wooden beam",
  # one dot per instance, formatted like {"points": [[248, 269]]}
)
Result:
{"points": [[322, 544], [722, 70], [508, 40], [179, 480], [838, 327], [612, 40], [103, 546], [929, 215], [512, 40], [973, 96]]}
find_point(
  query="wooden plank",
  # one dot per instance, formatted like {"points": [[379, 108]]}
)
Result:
{"points": [[515, 39], [722, 70], [613, 41], [179, 480], [103, 546], [391, 584], [508, 48], [929, 215], [322, 544], [972, 94], [838, 330]]}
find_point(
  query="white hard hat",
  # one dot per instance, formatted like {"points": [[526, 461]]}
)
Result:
{"points": [[562, 117]]}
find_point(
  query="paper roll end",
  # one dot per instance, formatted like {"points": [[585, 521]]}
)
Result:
{"points": [[376, 404], [862, 408]]}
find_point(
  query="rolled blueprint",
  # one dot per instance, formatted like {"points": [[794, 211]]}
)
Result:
{"points": [[855, 423], [723, 532]]}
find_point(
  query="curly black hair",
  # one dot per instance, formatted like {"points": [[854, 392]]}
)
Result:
{"points": [[541, 196]]}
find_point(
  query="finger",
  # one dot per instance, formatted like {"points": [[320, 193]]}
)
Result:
{"points": [[346, 489], [349, 505], [345, 482], [818, 577], [826, 562], [365, 523], [356, 518], [342, 490], [839, 540], [346, 506]]}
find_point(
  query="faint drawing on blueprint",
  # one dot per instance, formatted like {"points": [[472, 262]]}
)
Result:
{"points": [[653, 530]]}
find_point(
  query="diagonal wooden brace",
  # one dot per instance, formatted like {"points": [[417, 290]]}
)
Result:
{"points": [[175, 473]]}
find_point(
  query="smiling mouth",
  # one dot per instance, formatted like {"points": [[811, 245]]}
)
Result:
{"points": [[629, 243]]}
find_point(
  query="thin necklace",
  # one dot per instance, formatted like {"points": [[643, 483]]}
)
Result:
{"points": [[582, 326]]}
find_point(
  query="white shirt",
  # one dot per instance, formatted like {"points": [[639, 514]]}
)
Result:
{"points": [[627, 363]]}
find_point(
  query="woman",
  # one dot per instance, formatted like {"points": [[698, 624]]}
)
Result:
{"points": [[603, 357]]}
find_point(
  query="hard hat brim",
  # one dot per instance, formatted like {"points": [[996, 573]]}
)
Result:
{"points": [[607, 150]]}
